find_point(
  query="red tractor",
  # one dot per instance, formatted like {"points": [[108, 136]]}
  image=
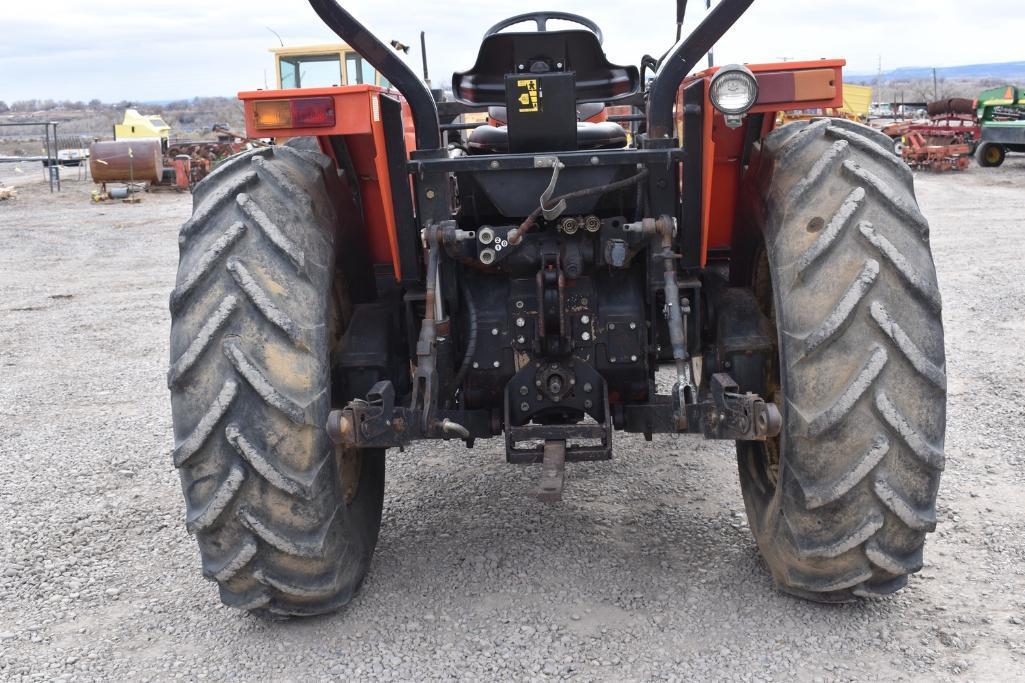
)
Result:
{"points": [[391, 275]]}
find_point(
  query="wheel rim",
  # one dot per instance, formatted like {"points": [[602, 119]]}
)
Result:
{"points": [[992, 155]]}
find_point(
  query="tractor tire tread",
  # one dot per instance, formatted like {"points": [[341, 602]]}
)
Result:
{"points": [[249, 379], [863, 392]]}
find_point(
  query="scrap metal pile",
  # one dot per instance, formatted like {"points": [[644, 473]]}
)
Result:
{"points": [[199, 157], [143, 153]]}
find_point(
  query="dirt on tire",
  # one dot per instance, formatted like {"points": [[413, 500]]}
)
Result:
{"points": [[253, 325], [841, 505]]}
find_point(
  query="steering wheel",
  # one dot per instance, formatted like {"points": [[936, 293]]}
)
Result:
{"points": [[542, 19]]}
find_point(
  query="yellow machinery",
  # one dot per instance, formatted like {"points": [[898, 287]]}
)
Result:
{"points": [[323, 66], [857, 100], [136, 125]]}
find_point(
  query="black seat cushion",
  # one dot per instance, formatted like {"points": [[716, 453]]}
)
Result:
{"points": [[585, 111], [495, 139]]}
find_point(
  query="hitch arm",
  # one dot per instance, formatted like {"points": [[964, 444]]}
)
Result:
{"points": [[425, 379], [377, 422]]}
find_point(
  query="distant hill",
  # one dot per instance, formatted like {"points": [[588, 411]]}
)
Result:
{"points": [[1004, 71]]}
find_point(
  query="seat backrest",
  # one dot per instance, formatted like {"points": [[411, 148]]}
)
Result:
{"points": [[577, 51]]}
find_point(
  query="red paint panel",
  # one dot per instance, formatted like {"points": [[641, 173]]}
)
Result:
{"points": [[728, 145], [368, 160], [358, 120], [353, 113], [724, 146]]}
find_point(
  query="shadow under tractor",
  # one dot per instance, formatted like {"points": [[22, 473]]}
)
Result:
{"points": [[394, 274]]}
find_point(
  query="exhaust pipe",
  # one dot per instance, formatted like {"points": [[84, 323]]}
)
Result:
{"points": [[682, 59], [390, 65]]}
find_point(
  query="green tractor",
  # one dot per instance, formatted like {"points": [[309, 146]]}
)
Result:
{"points": [[1001, 113]]}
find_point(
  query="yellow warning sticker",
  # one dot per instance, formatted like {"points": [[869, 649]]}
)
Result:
{"points": [[528, 95]]}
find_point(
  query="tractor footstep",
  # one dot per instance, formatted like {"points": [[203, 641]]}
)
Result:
{"points": [[553, 472]]}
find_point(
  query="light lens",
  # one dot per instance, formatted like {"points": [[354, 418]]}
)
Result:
{"points": [[734, 90], [313, 112], [305, 112], [272, 114]]}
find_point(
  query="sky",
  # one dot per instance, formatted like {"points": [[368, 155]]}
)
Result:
{"points": [[150, 51]]}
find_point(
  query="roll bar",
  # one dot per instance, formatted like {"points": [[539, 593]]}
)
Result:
{"points": [[418, 95], [684, 56]]}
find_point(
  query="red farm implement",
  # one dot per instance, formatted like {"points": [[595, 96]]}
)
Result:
{"points": [[943, 142], [918, 152]]}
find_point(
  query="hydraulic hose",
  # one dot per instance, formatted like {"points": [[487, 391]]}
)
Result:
{"points": [[516, 235], [471, 343]]}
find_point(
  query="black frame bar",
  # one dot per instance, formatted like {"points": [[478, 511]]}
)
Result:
{"points": [[682, 59], [406, 230], [388, 64], [693, 173], [519, 162]]}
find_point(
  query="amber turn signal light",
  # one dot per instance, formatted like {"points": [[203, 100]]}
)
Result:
{"points": [[273, 114]]}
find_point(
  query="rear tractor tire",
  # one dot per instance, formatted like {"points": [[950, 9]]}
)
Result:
{"points": [[286, 523], [841, 502]]}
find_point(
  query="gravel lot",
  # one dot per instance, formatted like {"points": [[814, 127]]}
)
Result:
{"points": [[646, 571]]}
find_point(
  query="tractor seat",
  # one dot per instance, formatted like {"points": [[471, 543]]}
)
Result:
{"points": [[597, 79], [593, 131], [573, 65], [495, 139], [593, 112]]}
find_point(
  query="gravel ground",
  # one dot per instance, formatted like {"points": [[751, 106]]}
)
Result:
{"points": [[646, 571]]}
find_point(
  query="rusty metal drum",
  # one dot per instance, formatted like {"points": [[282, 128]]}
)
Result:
{"points": [[137, 160]]}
